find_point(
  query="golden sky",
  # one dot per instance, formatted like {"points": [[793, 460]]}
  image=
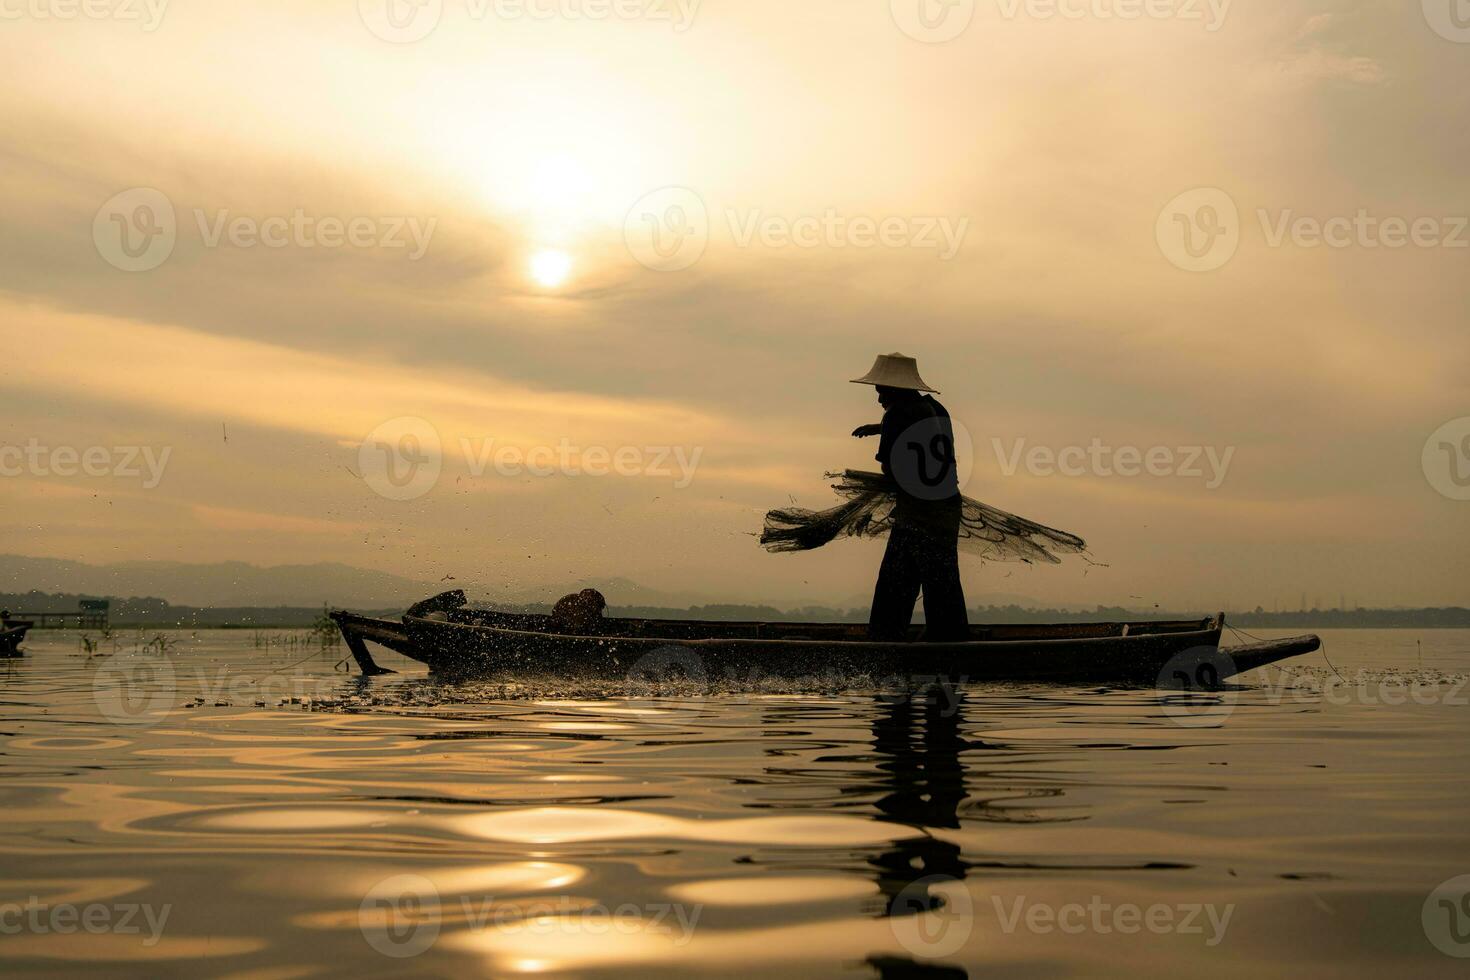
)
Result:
{"points": [[251, 235]]}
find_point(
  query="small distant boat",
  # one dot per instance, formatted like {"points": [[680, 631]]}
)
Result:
{"points": [[11, 637], [455, 640]]}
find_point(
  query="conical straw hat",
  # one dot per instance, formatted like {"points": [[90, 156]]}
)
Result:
{"points": [[895, 371]]}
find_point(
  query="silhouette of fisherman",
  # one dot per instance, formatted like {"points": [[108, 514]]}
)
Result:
{"points": [[916, 451]]}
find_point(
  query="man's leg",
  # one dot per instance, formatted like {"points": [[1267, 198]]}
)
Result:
{"points": [[945, 617], [898, 587]]}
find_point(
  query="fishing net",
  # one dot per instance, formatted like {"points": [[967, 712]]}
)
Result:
{"points": [[984, 531]]}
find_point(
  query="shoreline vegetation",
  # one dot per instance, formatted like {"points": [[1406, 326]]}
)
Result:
{"points": [[129, 613]]}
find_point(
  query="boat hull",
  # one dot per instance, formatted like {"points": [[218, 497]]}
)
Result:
{"points": [[10, 640], [1069, 653]]}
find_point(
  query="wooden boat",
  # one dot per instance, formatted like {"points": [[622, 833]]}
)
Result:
{"points": [[455, 640], [10, 639]]}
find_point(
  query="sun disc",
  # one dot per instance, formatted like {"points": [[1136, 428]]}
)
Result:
{"points": [[550, 267]]}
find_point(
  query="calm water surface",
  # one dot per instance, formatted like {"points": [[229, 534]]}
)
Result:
{"points": [[183, 813]]}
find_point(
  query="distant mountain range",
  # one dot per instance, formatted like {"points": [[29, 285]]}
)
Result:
{"points": [[237, 593], [235, 584], [230, 583]]}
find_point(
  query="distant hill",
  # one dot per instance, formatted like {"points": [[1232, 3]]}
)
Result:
{"points": [[237, 592], [231, 583], [236, 584]]}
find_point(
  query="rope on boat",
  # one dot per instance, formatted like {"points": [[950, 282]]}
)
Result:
{"points": [[1321, 645], [302, 661]]}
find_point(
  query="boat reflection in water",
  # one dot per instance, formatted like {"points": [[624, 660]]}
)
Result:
{"points": [[783, 829]]}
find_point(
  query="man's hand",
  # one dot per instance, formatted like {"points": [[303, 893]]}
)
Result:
{"points": [[863, 431]]}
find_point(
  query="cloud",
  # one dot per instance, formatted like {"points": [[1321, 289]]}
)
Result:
{"points": [[1325, 50], [1059, 319]]}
